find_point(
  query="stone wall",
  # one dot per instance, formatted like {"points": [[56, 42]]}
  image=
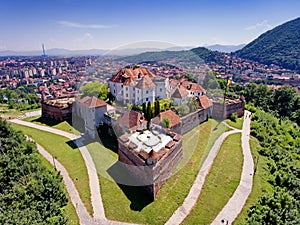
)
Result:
{"points": [[151, 177], [192, 120], [224, 111], [57, 113]]}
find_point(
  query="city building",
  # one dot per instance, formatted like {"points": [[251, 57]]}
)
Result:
{"points": [[137, 85], [91, 110], [131, 121]]}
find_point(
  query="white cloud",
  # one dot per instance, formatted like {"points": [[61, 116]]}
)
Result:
{"points": [[65, 23], [260, 25], [88, 36]]}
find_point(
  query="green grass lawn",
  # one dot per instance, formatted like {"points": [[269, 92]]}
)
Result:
{"points": [[125, 203], [220, 183], [260, 183], [7, 113], [69, 156], [65, 125], [238, 124], [69, 209]]}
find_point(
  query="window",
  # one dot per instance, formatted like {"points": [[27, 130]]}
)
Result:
{"points": [[126, 95], [126, 88], [147, 99], [146, 92], [114, 91], [160, 89]]}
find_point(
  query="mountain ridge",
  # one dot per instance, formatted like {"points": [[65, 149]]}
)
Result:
{"points": [[280, 46]]}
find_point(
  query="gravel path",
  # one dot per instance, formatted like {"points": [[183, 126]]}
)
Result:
{"points": [[236, 203], [190, 201], [84, 217], [226, 216]]}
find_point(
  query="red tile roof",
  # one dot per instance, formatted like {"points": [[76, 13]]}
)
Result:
{"points": [[145, 83], [128, 76], [91, 102], [205, 102], [131, 119], [174, 83], [173, 117], [193, 86], [180, 92]]}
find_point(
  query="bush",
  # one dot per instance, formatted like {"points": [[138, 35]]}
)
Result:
{"points": [[166, 122], [233, 117]]}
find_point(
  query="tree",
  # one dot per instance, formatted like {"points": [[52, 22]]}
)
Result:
{"points": [[95, 89], [144, 108], [193, 104], [149, 111], [285, 98], [182, 110], [156, 108], [29, 191], [111, 97], [166, 122]]}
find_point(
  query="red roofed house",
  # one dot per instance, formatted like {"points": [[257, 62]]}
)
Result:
{"points": [[193, 88], [91, 110], [180, 96], [138, 85], [175, 121], [131, 121]]}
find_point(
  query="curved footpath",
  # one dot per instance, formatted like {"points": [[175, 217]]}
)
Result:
{"points": [[226, 216], [190, 201], [84, 217], [236, 203]]}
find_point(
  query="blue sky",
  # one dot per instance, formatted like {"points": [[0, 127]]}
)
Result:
{"points": [[78, 24]]}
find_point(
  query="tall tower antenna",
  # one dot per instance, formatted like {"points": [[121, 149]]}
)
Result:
{"points": [[43, 47]]}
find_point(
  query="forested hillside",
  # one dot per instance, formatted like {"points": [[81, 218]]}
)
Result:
{"points": [[30, 193], [280, 143], [280, 46], [283, 102]]}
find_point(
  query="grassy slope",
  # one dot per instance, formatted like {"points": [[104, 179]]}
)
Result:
{"points": [[221, 182], [134, 207], [68, 155], [65, 126], [259, 183], [238, 124]]}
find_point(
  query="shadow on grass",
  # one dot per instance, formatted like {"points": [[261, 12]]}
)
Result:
{"points": [[47, 121], [138, 197], [72, 144], [219, 123]]}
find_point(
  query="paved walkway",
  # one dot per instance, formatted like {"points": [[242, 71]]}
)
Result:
{"points": [[236, 203], [189, 202], [81, 211], [99, 214], [226, 216]]}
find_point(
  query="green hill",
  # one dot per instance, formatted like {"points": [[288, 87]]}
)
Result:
{"points": [[280, 46], [199, 55]]}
